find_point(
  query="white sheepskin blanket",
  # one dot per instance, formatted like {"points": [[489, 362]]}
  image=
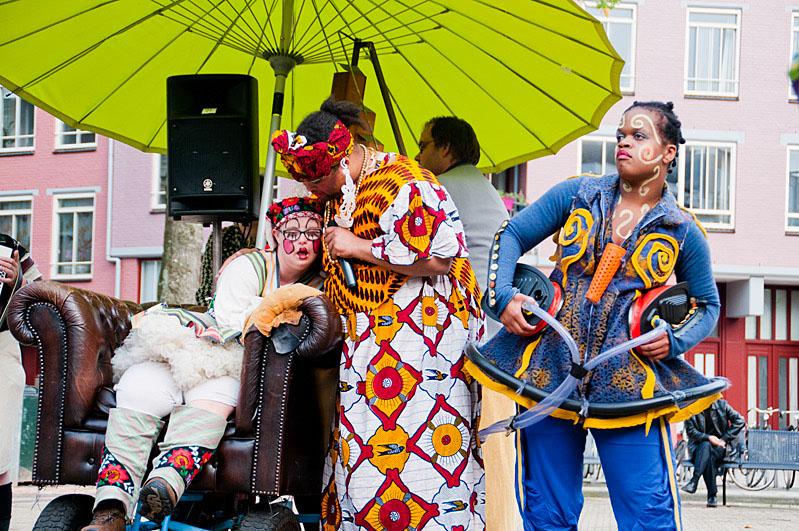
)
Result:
{"points": [[191, 359]]}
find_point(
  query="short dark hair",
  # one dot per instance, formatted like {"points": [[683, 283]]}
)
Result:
{"points": [[317, 126], [458, 134], [669, 125]]}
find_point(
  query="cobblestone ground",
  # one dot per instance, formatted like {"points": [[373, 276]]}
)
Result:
{"points": [[597, 516], [773, 510]]}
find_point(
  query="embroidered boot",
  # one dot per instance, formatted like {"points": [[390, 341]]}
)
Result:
{"points": [[191, 438], [128, 442]]}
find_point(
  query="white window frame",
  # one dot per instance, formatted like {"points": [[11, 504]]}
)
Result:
{"points": [[155, 262], [737, 60], [788, 214], [155, 186], [682, 160], [57, 210], [18, 212], [60, 133], [605, 20], [593, 139], [794, 33], [17, 136]]}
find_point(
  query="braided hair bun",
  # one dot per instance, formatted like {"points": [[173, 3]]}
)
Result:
{"points": [[317, 126]]}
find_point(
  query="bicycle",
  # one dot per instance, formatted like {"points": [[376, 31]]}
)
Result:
{"points": [[756, 478]]}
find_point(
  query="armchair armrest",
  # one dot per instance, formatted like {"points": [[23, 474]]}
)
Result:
{"points": [[289, 401], [76, 332]]}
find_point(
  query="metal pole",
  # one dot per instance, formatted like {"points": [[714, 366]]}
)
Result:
{"points": [[381, 81], [282, 63]]}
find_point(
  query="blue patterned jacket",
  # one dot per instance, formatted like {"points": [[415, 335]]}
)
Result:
{"points": [[666, 240]]}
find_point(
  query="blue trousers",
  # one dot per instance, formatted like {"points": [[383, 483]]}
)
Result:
{"points": [[638, 468]]}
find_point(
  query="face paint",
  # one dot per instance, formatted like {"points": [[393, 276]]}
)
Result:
{"points": [[645, 208], [627, 187], [288, 246], [317, 245], [638, 123], [624, 218]]}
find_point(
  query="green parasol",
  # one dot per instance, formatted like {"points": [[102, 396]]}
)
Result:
{"points": [[529, 75]]}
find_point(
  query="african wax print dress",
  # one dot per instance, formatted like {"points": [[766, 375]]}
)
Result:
{"points": [[404, 452]]}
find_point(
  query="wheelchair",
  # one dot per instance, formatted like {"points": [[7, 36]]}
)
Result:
{"points": [[266, 473]]}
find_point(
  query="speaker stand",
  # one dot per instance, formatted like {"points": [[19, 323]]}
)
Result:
{"points": [[217, 232]]}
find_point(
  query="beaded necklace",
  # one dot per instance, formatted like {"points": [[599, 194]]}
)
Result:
{"points": [[347, 207]]}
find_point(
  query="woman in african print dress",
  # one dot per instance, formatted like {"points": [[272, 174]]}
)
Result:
{"points": [[187, 365], [404, 452]]}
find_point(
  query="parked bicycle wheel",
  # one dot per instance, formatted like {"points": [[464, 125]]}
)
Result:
{"points": [[753, 478]]}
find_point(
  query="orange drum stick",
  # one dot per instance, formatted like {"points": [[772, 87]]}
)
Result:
{"points": [[608, 265]]}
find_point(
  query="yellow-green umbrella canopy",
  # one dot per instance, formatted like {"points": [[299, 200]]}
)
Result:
{"points": [[530, 76]]}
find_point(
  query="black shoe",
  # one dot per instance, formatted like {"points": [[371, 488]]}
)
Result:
{"points": [[711, 501], [690, 487]]}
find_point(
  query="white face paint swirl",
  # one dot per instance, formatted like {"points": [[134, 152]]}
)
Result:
{"points": [[638, 123], [623, 219], [644, 188]]}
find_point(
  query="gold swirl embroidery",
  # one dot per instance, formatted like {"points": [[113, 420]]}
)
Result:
{"points": [[664, 253], [572, 231]]}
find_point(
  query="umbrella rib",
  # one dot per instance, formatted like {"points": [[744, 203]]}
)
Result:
{"points": [[219, 41], [260, 38], [585, 17], [523, 78], [298, 41], [133, 74], [340, 14], [424, 79], [38, 30], [536, 52], [217, 28], [324, 34], [321, 30], [69, 61], [531, 50]]}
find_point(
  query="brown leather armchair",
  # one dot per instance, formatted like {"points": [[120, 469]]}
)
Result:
{"points": [[276, 441]]}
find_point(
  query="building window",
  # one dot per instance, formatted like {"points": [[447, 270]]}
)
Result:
{"points": [[150, 273], [67, 137], [16, 117], [620, 24], [158, 186], [597, 156], [705, 182], [511, 184], [73, 236], [780, 319], [792, 199], [15, 218], [712, 50]]}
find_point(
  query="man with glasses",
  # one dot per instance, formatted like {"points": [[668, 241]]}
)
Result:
{"points": [[448, 147]]}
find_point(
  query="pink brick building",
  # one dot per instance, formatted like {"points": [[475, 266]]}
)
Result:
{"points": [[55, 186]]}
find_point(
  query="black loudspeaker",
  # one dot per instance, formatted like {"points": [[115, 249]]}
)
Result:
{"points": [[212, 148]]}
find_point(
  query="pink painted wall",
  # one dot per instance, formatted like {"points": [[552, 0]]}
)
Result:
{"points": [[47, 170], [762, 113]]}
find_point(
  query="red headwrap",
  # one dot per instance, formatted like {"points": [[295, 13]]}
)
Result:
{"points": [[312, 161]]}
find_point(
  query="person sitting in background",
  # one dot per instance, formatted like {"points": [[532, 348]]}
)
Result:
{"points": [[187, 365], [709, 434]]}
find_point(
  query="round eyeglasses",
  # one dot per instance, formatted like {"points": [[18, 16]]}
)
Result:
{"points": [[294, 234]]}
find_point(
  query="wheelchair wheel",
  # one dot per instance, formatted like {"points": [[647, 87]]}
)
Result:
{"points": [[66, 513], [276, 518]]}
